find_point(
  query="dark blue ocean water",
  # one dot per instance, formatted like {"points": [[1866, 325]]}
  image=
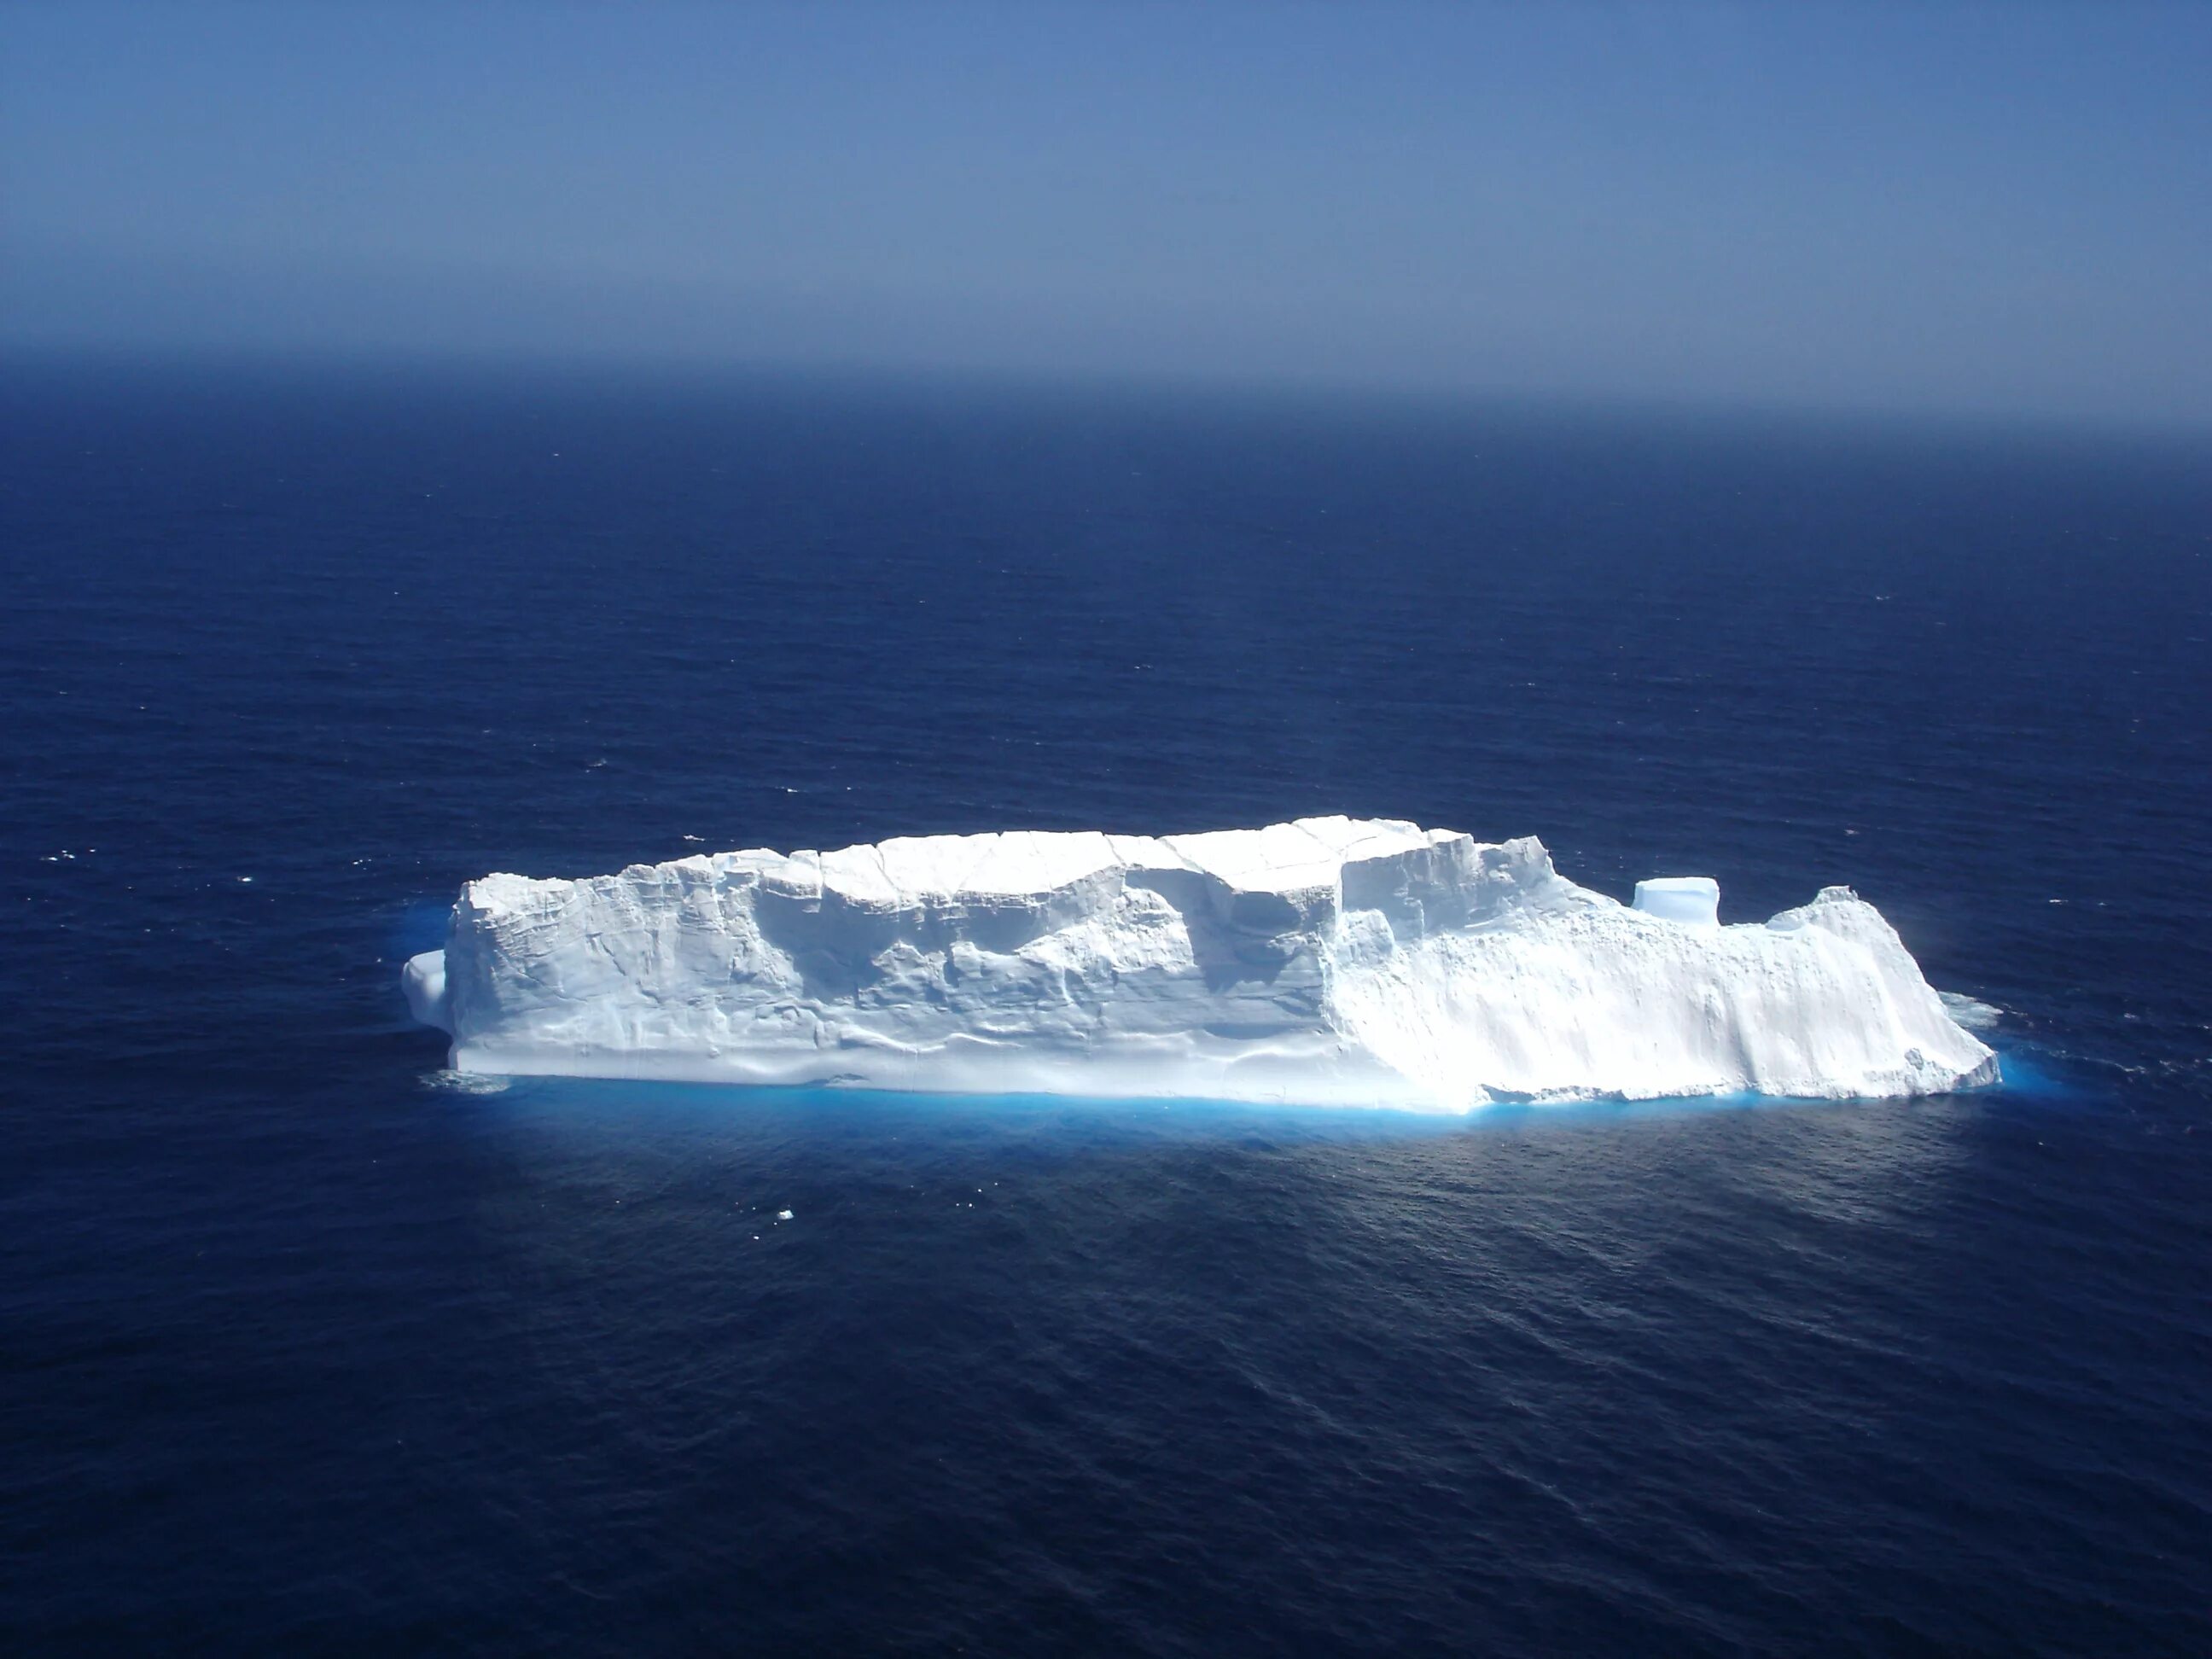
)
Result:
{"points": [[302, 1349]]}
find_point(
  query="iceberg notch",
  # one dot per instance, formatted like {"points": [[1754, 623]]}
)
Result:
{"points": [[1331, 961]]}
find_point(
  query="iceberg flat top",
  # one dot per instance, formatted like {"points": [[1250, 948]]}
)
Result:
{"points": [[1332, 960]]}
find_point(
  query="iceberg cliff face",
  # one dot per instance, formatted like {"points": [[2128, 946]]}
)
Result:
{"points": [[1328, 961]]}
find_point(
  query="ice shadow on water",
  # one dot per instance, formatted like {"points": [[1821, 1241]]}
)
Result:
{"points": [[602, 1104]]}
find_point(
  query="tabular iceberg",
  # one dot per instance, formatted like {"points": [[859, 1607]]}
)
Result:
{"points": [[1331, 961]]}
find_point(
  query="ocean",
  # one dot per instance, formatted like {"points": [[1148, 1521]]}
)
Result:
{"points": [[308, 1346]]}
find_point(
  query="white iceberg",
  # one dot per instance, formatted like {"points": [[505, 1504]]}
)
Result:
{"points": [[1331, 961]]}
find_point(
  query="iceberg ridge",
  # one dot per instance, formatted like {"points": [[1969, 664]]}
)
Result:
{"points": [[1330, 961]]}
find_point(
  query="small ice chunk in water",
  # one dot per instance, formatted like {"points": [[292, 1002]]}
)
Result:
{"points": [[1694, 899], [1972, 1012], [783, 1215]]}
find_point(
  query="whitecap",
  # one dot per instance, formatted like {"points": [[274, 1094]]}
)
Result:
{"points": [[465, 1083]]}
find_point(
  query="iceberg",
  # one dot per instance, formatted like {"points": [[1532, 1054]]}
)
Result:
{"points": [[1330, 962]]}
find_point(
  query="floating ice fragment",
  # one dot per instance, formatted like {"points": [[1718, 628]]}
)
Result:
{"points": [[783, 1215], [1692, 899], [1970, 1012]]}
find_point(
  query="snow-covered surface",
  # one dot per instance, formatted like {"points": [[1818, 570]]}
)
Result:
{"points": [[1332, 960]]}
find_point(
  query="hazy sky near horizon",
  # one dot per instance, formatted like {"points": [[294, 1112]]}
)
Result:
{"points": [[1990, 207]]}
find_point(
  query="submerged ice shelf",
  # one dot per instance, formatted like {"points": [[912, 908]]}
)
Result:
{"points": [[1331, 961]]}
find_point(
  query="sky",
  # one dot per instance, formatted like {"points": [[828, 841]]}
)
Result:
{"points": [[1913, 207]]}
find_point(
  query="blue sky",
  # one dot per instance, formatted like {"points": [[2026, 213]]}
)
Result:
{"points": [[1915, 207]]}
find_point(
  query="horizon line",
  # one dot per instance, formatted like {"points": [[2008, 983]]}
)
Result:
{"points": [[1304, 387]]}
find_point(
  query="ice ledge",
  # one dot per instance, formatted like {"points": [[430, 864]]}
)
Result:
{"points": [[1331, 960], [423, 980]]}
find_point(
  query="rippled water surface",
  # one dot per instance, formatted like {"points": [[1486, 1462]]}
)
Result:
{"points": [[305, 1343]]}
